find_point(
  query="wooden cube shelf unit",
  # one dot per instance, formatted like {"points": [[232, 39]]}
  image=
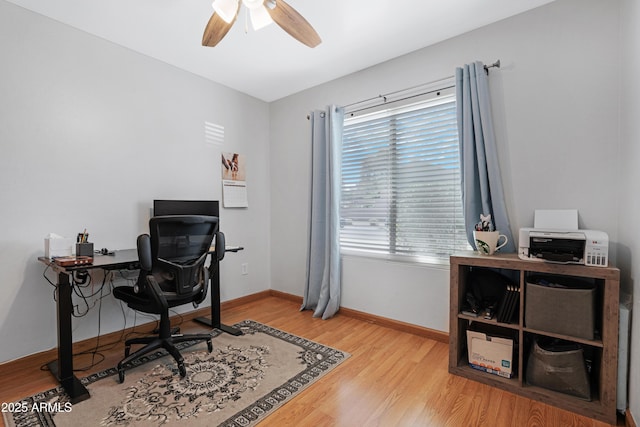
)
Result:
{"points": [[604, 346]]}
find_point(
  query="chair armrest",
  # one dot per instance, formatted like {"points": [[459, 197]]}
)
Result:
{"points": [[220, 245], [205, 286], [144, 252], [156, 293]]}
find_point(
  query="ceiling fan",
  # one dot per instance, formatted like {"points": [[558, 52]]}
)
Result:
{"points": [[262, 13]]}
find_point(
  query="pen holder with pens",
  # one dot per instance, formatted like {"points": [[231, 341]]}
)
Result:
{"points": [[84, 249]]}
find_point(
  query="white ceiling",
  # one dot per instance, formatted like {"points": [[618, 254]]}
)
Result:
{"points": [[269, 64]]}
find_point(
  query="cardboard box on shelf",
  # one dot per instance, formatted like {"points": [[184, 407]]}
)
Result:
{"points": [[490, 354]]}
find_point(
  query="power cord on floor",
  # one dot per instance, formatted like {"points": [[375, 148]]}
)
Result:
{"points": [[81, 284]]}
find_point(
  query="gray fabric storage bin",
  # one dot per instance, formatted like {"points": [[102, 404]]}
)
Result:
{"points": [[560, 305], [563, 370]]}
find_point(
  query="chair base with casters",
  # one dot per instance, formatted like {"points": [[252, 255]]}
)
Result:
{"points": [[172, 273], [166, 339]]}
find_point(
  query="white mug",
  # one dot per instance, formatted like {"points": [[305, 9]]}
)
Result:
{"points": [[487, 241]]}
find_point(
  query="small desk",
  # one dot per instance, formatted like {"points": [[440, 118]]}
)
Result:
{"points": [[126, 259]]}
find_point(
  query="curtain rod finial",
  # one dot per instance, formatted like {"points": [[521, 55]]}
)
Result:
{"points": [[495, 64]]}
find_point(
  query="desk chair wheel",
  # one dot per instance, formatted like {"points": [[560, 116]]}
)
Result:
{"points": [[182, 369], [209, 346], [121, 375]]}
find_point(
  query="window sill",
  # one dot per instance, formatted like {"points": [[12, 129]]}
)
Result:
{"points": [[421, 261]]}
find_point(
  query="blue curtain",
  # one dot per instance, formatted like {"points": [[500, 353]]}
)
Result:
{"points": [[482, 191], [322, 290]]}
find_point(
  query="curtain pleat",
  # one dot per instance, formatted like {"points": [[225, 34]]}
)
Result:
{"points": [[322, 288], [482, 190]]}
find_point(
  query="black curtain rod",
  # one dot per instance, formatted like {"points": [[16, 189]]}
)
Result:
{"points": [[384, 97], [495, 64]]}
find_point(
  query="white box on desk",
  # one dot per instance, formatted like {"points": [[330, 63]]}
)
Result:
{"points": [[57, 246], [490, 354]]}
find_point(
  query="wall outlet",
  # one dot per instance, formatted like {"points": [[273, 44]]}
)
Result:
{"points": [[244, 268]]}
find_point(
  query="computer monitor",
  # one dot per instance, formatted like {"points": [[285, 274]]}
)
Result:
{"points": [[186, 207]]}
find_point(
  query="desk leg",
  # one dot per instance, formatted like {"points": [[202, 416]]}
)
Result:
{"points": [[62, 368], [214, 322]]}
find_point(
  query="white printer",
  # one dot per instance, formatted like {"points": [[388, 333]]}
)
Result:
{"points": [[567, 244], [588, 247]]}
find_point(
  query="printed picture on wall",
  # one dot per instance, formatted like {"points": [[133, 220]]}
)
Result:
{"points": [[234, 180], [234, 167]]}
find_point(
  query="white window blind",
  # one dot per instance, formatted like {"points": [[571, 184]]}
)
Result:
{"points": [[401, 182]]}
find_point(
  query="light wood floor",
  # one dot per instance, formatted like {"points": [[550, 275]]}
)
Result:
{"points": [[391, 379]]}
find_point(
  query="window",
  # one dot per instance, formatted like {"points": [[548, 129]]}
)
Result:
{"points": [[401, 194]]}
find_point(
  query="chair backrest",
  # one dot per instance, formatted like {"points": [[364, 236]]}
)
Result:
{"points": [[179, 245]]}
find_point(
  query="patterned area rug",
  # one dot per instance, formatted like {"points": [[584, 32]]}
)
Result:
{"points": [[242, 381]]}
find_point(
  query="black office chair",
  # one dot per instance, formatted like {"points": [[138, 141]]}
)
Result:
{"points": [[172, 273]]}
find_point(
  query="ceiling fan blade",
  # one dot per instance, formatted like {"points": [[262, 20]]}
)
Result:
{"points": [[293, 23], [216, 29]]}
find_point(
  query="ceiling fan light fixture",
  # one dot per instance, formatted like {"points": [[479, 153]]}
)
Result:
{"points": [[253, 4], [260, 18], [226, 9], [279, 12]]}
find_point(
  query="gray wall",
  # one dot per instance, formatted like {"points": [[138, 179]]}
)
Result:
{"points": [[556, 114], [90, 134]]}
